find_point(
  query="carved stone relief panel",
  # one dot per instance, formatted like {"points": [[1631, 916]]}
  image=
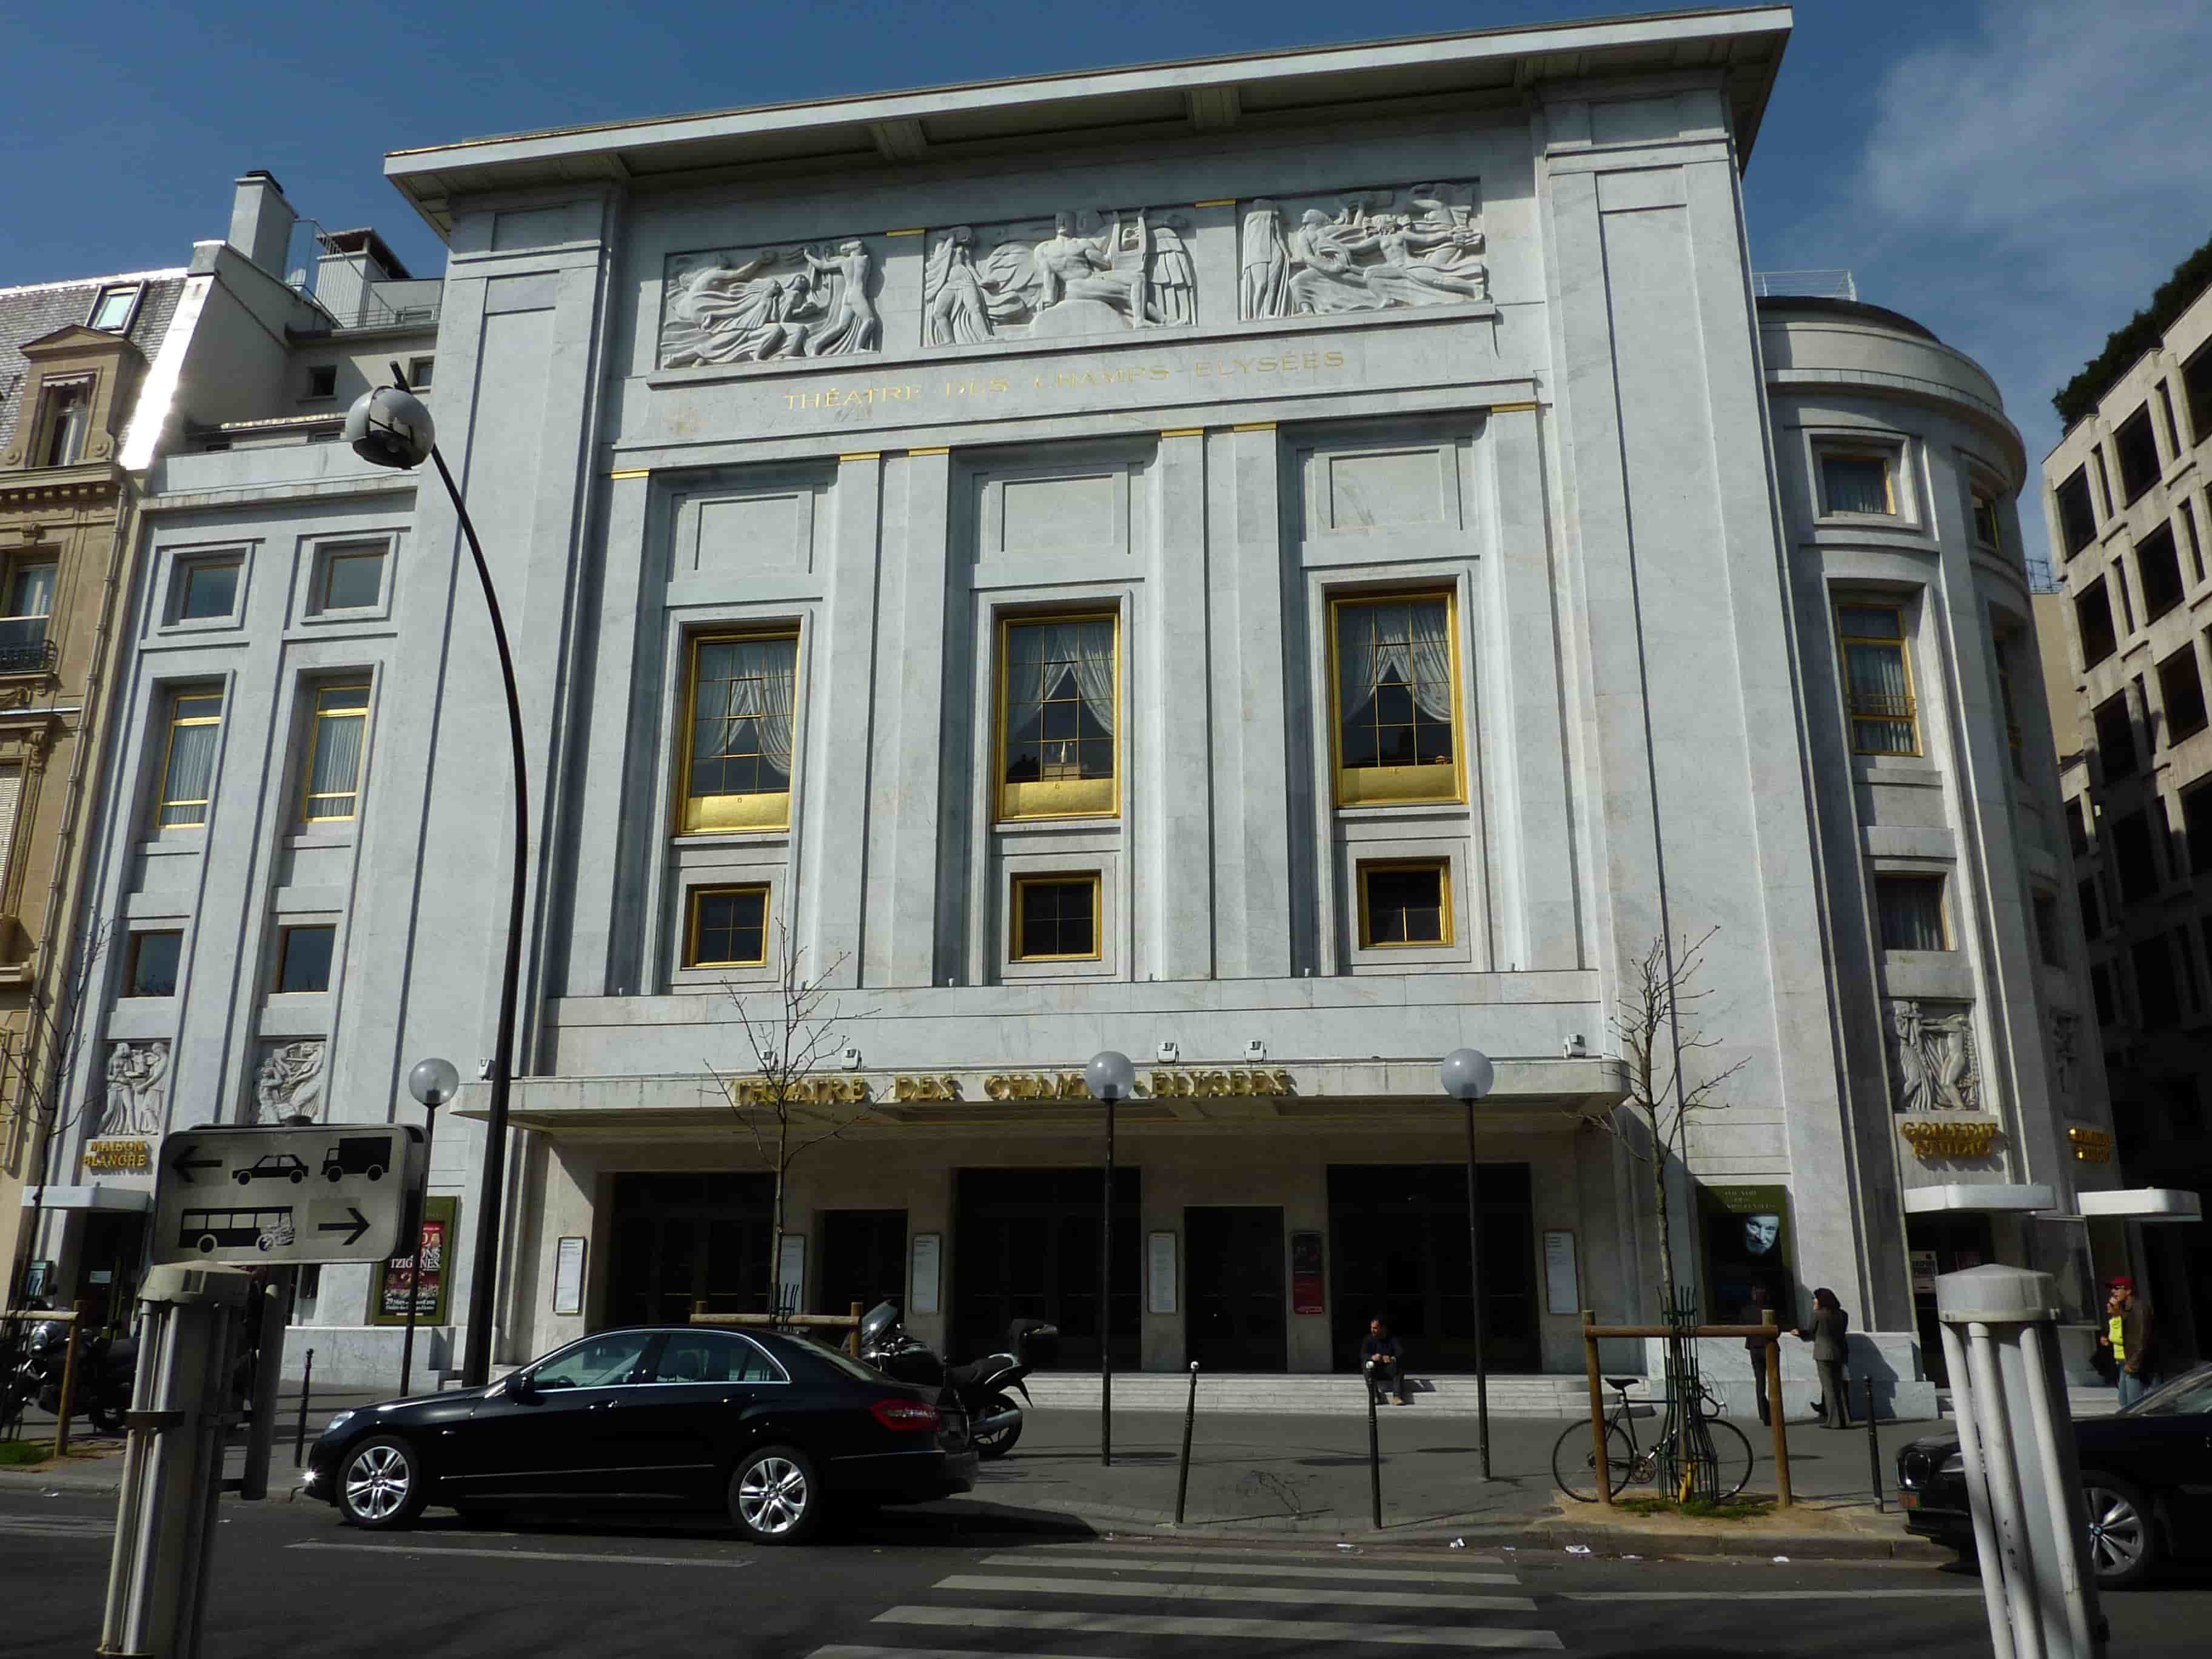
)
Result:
{"points": [[1369, 249], [1932, 1046], [137, 1087], [2065, 1029], [1088, 272], [763, 304], [288, 1081]]}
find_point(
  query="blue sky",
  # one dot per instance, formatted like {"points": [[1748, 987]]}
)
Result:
{"points": [[1978, 164]]}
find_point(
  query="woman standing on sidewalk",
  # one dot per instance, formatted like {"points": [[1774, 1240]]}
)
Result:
{"points": [[1830, 1349]]}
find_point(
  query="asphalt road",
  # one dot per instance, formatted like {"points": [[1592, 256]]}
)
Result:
{"points": [[289, 1579]]}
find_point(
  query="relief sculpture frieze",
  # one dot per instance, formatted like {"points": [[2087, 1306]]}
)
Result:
{"points": [[1361, 250], [1084, 272], [758, 305]]}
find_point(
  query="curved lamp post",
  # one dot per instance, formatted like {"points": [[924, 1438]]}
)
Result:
{"points": [[432, 1083], [1111, 1078], [389, 427], [1466, 1076]]}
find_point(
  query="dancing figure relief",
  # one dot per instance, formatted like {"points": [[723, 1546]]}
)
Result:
{"points": [[768, 304], [1935, 1053], [1377, 250], [1085, 275]]}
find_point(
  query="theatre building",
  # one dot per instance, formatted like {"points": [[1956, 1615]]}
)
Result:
{"points": [[1280, 566]]}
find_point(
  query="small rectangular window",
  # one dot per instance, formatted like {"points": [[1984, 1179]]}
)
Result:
{"points": [[111, 310], [1395, 664], [2197, 393], [418, 372], [1056, 919], [338, 723], [206, 589], [1911, 909], [303, 958], [736, 770], [65, 412], [2159, 571], [1060, 695], [727, 927], [353, 577], [323, 380], [153, 959], [1857, 483], [2048, 944], [2077, 520], [2183, 691], [2092, 916], [1405, 902], [2093, 616], [2116, 736], [2133, 860], [188, 767], [2197, 829], [2154, 990], [30, 603], [2136, 444], [2100, 986], [1877, 680], [2185, 951], [1988, 530]]}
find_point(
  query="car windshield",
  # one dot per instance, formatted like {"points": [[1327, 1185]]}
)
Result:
{"points": [[2183, 1397]]}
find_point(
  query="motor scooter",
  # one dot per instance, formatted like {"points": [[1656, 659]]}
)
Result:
{"points": [[981, 1386], [106, 1366]]}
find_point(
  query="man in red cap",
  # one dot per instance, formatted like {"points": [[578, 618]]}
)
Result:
{"points": [[2132, 1338]]}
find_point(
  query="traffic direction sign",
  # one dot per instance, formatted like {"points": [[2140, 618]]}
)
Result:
{"points": [[324, 1192]]}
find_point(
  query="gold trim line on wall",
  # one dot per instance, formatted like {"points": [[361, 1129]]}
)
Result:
{"points": [[863, 455], [1515, 408], [1219, 201], [939, 449], [1254, 426], [912, 230], [631, 472], [1182, 432]]}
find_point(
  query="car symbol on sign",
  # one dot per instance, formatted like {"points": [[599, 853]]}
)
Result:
{"points": [[274, 1167]]}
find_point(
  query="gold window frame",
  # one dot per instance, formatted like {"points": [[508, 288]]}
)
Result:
{"points": [[1397, 785], [1903, 643], [1983, 504], [1091, 879], [695, 896], [698, 815], [1057, 798], [1445, 918], [177, 722], [318, 714]]}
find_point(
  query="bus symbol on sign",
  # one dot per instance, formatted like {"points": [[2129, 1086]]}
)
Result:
{"points": [[208, 1231], [282, 1195]]}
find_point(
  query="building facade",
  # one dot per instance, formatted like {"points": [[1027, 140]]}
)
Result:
{"points": [[2126, 497], [1284, 567]]}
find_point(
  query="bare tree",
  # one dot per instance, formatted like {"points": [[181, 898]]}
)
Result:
{"points": [[1657, 1026], [34, 1077], [790, 1100]]}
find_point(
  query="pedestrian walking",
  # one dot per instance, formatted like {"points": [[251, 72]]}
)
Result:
{"points": [[1830, 1350], [2132, 1336]]}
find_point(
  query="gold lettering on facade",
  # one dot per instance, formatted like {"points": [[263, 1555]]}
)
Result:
{"points": [[1932, 1139], [119, 1155], [926, 1088], [970, 388], [1205, 1085], [2091, 1146], [805, 1091]]}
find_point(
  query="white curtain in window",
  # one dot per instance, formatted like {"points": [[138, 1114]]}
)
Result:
{"points": [[191, 767], [1412, 641], [1430, 633], [1877, 677], [1911, 915], [11, 794], [337, 755], [762, 674], [1092, 646]]}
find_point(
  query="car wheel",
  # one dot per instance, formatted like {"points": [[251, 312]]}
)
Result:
{"points": [[381, 1486], [999, 1441], [244, 1176], [374, 1172], [334, 1176], [298, 1175], [775, 1496], [2123, 1542]]}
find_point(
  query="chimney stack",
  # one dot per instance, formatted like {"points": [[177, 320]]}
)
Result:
{"points": [[261, 221]]}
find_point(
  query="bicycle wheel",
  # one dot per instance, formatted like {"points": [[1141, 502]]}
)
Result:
{"points": [[1574, 1460], [1731, 1457]]}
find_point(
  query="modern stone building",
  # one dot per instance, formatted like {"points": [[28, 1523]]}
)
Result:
{"points": [[2126, 492], [1283, 566]]}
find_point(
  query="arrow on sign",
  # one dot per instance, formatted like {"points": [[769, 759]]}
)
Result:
{"points": [[353, 1229], [185, 1164]]}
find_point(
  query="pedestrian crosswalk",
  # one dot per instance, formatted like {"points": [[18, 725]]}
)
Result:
{"points": [[1212, 1601]]}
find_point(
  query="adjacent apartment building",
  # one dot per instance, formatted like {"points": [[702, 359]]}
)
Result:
{"points": [[1283, 566], [2127, 500]]}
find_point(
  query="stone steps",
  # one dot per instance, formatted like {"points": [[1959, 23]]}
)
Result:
{"points": [[1315, 1395]]}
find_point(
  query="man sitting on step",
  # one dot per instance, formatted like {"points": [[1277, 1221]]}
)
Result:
{"points": [[1384, 1362]]}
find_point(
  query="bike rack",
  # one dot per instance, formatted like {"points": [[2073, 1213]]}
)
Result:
{"points": [[1769, 1332]]}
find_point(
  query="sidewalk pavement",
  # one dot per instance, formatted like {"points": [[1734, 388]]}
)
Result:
{"points": [[94, 1463]]}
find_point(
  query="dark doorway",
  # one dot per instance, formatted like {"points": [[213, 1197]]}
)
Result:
{"points": [[680, 1239], [863, 1258], [1941, 1244], [1025, 1243], [1233, 1284], [109, 1267], [1399, 1249]]}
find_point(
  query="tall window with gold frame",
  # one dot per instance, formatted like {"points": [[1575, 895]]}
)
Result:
{"points": [[330, 790], [1060, 716], [1877, 677], [742, 693], [188, 758], [1394, 662]]}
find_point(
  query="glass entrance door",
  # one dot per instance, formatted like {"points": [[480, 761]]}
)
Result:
{"points": [[1233, 1286], [863, 1258], [1026, 1243], [1399, 1246], [681, 1239]]}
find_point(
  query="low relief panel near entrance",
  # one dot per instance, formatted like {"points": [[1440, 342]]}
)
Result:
{"points": [[289, 1082], [1933, 1046], [1087, 272], [1361, 250], [138, 1085], [759, 305]]}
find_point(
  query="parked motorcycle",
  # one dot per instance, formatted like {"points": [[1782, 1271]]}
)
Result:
{"points": [[981, 1386], [106, 1366]]}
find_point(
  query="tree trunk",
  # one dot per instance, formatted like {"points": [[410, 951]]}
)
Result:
{"points": [[775, 1224]]}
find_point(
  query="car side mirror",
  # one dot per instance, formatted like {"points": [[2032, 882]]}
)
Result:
{"points": [[519, 1387]]}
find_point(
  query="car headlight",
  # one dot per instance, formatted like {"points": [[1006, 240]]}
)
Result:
{"points": [[338, 1420]]}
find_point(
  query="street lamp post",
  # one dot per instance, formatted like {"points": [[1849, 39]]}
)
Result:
{"points": [[389, 427], [1466, 1076], [1111, 1078], [432, 1082]]}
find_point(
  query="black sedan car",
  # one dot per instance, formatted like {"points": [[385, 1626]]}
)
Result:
{"points": [[2146, 1479], [770, 1427]]}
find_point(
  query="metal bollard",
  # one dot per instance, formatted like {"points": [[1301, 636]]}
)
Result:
{"points": [[300, 1436], [1374, 1448], [1190, 1414], [1873, 1451]]}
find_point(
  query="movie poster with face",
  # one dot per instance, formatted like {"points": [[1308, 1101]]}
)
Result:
{"points": [[1747, 1247]]}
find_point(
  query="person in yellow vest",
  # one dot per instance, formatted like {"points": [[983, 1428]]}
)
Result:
{"points": [[2132, 1341]]}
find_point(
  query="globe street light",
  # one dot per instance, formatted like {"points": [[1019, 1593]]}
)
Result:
{"points": [[389, 427], [1466, 1076], [432, 1082], [1111, 1078]]}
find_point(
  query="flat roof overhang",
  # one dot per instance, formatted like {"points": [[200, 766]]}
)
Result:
{"points": [[1743, 45], [1981, 1198]]}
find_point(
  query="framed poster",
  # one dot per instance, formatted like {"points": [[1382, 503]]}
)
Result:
{"points": [[927, 1252], [1746, 1238], [1305, 1273], [1160, 1276], [1562, 1286], [568, 1276], [423, 1274]]}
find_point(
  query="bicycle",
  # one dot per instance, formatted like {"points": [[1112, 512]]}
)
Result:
{"points": [[1574, 1459]]}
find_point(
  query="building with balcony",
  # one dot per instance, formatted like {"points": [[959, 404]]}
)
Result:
{"points": [[2126, 493], [1284, 566]]}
